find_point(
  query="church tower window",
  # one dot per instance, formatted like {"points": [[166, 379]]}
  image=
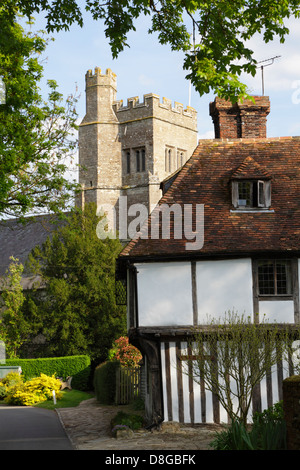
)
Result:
{"points": [[140, 160], [128, 162]]}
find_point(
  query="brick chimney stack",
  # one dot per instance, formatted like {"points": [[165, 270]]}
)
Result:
{"points": [[240, 120]]}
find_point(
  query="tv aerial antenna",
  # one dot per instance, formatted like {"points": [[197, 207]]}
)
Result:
{"points": [[265, 63]]}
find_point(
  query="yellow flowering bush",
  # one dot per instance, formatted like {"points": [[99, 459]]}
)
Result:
{"points": [[11, 379], [34, 391]]}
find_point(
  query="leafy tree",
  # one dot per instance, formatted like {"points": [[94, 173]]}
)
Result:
{"points": [[215, 55], [76, 311], [234, 355], [14, 328], [35, 136]]}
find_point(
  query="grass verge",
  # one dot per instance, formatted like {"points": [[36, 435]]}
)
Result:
{"points": [[69, 399]]}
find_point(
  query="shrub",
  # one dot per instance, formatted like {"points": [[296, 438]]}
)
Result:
{"points": [[268, 432], [10, 380], [132, 421], [269, 428], [124, 352], [33, 391], [78, 367], [105, 382], [235, 437]]}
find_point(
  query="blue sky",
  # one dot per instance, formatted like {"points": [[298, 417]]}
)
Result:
{"points": [[148, 67]]}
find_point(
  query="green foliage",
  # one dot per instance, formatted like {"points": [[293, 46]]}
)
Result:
{"points": [[216, 55], [269, 428], [35, 136], [105, 382], [138, 404], [14, 328], [78, 367], [77, 311], [268, 432], [131, 420], [235, 438]]}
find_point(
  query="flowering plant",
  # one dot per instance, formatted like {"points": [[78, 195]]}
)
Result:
{"points": [[124, 352]]}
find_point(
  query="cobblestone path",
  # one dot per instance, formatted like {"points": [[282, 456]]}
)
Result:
{"points": [[88, 427]]}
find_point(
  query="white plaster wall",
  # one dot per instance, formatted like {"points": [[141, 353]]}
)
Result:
{"points": [[223, 286], [278, 311], [164, 294]]}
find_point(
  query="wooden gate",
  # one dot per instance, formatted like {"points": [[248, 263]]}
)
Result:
{"points": [[127, 384]]}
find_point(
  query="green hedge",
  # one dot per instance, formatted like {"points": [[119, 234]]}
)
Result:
{"points": [[78, 367], [105, 382]]}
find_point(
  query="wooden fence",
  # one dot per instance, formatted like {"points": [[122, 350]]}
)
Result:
{"points": [[127, 384]]}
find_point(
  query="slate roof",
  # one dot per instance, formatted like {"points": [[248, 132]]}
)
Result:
{"points": [[206, 179], [18, 240]]}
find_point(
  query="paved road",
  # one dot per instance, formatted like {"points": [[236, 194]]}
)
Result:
{"points": [[29, 428]]}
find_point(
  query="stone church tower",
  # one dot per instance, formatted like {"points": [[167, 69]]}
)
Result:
{"points": [[127, 150]]}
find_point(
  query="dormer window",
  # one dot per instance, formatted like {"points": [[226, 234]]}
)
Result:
{"points": [[251, 194], [251, 186]]}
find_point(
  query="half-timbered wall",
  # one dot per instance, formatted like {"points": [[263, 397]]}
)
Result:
{"points": [[193, 293], [185, 293], [187, 401], [172, 295]]}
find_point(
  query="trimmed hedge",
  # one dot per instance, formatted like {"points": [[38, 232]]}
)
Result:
{"points": [[78, 367], [105, 382]]}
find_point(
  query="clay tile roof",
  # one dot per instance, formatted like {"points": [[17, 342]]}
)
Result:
{"points": [[249, 169], [206, 179]]}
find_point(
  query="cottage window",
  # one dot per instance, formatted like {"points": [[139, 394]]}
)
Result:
{"points": [[275, 277], [251, 194]]}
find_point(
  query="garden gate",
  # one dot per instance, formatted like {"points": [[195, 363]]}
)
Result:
{"points": [[127, 384]]}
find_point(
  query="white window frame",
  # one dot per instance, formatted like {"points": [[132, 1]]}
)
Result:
{"points": [[263, 194]]}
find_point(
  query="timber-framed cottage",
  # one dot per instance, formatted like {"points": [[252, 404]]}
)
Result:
{"points": [[241, 252]]}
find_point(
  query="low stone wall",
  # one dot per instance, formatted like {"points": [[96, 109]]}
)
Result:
{"points": [[291, 407]]}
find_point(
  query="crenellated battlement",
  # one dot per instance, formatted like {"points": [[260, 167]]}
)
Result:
{"points": [[108, 73], [101, 103], [101, 79], [153, 101]]}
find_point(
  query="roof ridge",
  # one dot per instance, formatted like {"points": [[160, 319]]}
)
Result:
{"points": [[247, 139]]}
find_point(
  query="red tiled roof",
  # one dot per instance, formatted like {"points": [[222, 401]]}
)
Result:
{"points": [[205, 179], [249, 169]]}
